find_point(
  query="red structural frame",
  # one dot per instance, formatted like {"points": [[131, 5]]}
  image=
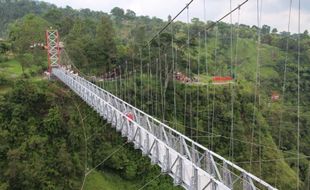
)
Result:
{"points": [[48, 35]]}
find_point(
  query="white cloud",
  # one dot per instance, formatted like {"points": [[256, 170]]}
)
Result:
{"points": [[275, 12]]}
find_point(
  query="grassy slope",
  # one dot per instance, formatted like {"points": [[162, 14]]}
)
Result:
{"points": [[107, 181], [11, 69]]}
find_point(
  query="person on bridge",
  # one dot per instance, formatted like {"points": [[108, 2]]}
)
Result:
{"points": [[130, 116]]}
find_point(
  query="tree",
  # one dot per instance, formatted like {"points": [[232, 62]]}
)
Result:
{"points": [[65, 25], [4, 47], [267, 39], [138, 34], [54, 16], [265, 29], [130, 14], [197, 26], [65, 165], [117, 13], [53, 124], [78, 40], [105, 44], [13, 10], [26, 60], [305, 35], [26, 31], [15, 168], [274, 31]]}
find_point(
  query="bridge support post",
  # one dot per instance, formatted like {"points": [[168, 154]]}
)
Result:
{"points": [[179, 172], [145, 150], [227, 176], [166, 162], [195, 156], [136, 140], [208, 163], [155, 154], [247, 182], [124, 129], [194, 179], [214, 185]]}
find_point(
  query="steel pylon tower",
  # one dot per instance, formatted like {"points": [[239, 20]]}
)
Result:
{"points": [[53, 49]]}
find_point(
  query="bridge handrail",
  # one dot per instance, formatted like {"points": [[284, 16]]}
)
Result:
{"points": [[73, 83], [260, 181]]}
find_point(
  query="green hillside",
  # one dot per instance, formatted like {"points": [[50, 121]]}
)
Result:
{"points": [[49, 138]]}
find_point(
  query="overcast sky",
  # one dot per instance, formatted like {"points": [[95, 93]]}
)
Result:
{"points": [[274, 12]]}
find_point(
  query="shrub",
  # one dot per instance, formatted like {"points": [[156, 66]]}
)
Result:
{"points": [[3, 58], [3, 80]]}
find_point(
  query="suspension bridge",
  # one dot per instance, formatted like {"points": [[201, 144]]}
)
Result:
{"points": [[190, 164]]}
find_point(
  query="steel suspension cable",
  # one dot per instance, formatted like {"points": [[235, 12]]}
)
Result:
{"points": [[206, 62], [109, 156], [298, 98], [284, 84], [121, 85], [231, 39], [189, 69], [149, 79], [134, 80], [185, 85], [103, 84], [156, 90], [186, 7], [198, 86], [160, 78], [237, 46], [151, 181], [120, 78], [141, 80], [213, 99], [233, 89], [125, 81], [115, 82], [259, 97], [166, 73], [231, 148], [174, 79], [176, 69], [171, 21], [233, 74], [213, 117], [256, 80], [84, 134]]}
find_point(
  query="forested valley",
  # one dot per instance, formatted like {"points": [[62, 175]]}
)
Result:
{"points": [[50, 138]]}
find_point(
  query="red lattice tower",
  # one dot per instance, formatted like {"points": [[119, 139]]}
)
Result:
{"points": [[53, 49]]}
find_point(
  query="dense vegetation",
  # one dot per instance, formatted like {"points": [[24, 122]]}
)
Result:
{"points": [[44, 129], [49, 137]]}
